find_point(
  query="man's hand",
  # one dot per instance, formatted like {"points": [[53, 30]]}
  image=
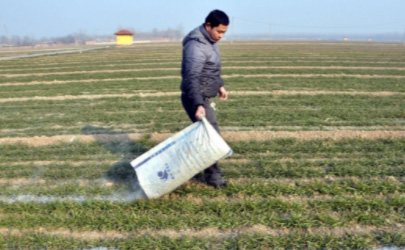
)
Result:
{"points": [[223, 95], [200, 111]]}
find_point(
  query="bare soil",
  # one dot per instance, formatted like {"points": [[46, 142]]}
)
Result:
{"points": [[229, 67], [230, 136], [207, 232], [223, 76], [147, 93]]}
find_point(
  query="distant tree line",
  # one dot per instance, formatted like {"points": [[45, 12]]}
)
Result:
{"points": [[29, 40], [83, 37], [172, 34]]}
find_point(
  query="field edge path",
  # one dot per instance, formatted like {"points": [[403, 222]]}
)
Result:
{"points": [[231, 136]]}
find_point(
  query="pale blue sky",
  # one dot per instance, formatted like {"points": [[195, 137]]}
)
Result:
{"points": [[49, 18]]}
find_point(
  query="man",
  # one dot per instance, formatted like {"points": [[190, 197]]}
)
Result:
{"points": [[201, 77]]}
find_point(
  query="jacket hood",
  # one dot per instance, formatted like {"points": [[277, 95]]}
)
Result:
{"points": [[200, 34]]}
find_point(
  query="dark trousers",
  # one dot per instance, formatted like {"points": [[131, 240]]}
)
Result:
{"points": [[214, 171]]}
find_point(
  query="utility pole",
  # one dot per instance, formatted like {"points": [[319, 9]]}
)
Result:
{"points": [[8, 38], [270, 31], [403, 39], [233, 25]]}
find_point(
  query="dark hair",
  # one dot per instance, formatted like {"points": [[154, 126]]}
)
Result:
{"points": [[217, 17]]}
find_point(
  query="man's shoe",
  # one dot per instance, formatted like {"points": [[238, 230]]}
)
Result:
{"points": [[198, 177], [215, 181], [217, 185]]}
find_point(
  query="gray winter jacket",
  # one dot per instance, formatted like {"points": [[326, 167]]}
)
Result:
{"points": [[201, 66]]}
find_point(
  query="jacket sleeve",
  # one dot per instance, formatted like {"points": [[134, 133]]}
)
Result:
{"points": [[221, 82], [193, 64]]}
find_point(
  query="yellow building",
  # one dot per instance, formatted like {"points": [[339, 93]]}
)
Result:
{"points": [[124, 37]]}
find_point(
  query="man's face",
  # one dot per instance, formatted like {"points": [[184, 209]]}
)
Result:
{"points": [[216, 33]]}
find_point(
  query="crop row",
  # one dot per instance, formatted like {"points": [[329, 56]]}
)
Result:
{"points": [[260, 187], [175, 63], [153, 72], [122, 65], [261, 168], [144, 214], [383, 149], [163, 114], [235, 240], [263, 83], [227, 69]]}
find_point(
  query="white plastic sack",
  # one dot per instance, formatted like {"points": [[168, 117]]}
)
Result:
{"points": [[177, 159]]}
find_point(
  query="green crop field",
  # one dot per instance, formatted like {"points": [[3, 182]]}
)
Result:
{"points": [[317, 130]]}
